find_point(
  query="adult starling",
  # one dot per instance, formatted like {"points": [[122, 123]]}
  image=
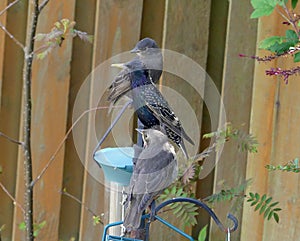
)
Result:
{"points": [[150, 57], [155, 169], [151, 107]]}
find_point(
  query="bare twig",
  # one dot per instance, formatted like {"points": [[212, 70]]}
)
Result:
{"points": [[11, 197], [43, 4], [12, 37], [63, 141], [291, 20], [9, 6], [27, 79], [81, 203], [11, 139]]}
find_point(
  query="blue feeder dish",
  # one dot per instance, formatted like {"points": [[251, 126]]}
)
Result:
{"points": [[116, 163]]}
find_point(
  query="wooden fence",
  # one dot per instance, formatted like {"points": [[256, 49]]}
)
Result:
{"points": [[212, 33]]}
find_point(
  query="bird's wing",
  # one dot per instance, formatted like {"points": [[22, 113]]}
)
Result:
{"points": [[168, 118], [157, 174], [119, 87]]}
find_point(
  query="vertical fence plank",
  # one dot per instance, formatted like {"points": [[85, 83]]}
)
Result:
{"points": [[275, 119], [215, 64], [73, 166], [263, 108], [152, 20], [50, 100], [117, 29], [236, 92], [186, 26], [11, 90]]}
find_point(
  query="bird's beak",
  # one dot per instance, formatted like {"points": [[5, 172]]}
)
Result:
{"points": [[141, 131], [135, 50], [120, 65]]}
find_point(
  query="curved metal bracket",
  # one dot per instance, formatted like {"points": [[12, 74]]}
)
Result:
{"points": [[205, 207]]}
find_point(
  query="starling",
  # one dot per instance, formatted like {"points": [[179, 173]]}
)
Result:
{"points": [[154, 170], [151, 107], [150, 57]]}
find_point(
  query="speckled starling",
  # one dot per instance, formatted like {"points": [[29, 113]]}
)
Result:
{"points": [[151, 107], [155, 169], [150, 57]]}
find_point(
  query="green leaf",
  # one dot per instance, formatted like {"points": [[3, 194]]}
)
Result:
{"points": [[269, 200], [294, 3], [263, 208], [274, 204], [202, 234], [276, 217], [262, 7], [281, 48], [22, 226], [297, 57], [268, 42], [291, 36]]}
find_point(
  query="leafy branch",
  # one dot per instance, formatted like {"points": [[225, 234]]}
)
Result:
{"points": [[292, 166], [279, 46], [55, 38], [187, 212], [246, 142], [264, 205]]}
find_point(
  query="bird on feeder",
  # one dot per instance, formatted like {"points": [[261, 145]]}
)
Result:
{"points": [[154, 170]]}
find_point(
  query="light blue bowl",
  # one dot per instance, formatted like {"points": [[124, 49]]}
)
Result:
{"points": [[116, 163]]}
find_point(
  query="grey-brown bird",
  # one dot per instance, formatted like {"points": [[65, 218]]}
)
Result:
{"points": [[154, 170]]}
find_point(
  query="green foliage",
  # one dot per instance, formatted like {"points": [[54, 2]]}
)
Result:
{"points": [[292, 166], [1, 169], [202, 234], [264, 205], [57, 35], [268, 42], [96, 220], [229, 194], [294, 3], [37, 227], [246, 142], [187, 212], [263, 7], [283, 44]]}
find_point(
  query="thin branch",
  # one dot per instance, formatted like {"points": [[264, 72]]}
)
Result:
{"points": [[282, 15], [11, 197], [292, 20], [27, 81], [43, 4], [8, 6], [11, 139], [12, 37], [80, 202], [63, 141]]}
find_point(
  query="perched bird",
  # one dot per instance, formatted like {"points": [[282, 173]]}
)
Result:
{"points": [[150, 57], [151, 107], [155, 169]]}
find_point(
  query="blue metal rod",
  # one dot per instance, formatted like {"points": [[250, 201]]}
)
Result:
{"points": [[206, 208], [112, 125], [174, 228], [107, 227]]}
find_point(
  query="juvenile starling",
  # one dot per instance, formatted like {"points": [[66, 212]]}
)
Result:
{"points": [[150, 57], [154, 170], [151, 107]]}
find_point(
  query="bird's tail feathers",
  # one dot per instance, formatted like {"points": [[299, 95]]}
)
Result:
{"points": [[182, 147]]}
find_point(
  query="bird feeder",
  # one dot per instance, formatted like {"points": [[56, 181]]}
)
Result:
{"points": [[117, 165]]}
